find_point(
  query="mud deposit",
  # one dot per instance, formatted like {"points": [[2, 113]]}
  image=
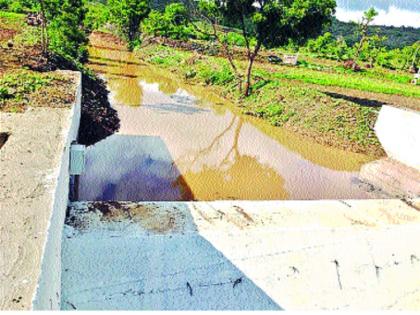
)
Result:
{"points": [[178, 142]]}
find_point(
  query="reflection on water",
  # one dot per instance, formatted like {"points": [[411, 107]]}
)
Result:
{"points": [[177, 142]]}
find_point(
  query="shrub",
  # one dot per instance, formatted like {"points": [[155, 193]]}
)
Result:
{"points": [[328, 47], [97, 15], [66, 35], [172, 23]]}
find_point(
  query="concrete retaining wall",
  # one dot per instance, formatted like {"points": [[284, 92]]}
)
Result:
{"points": [[398, 130], [48, 294]]}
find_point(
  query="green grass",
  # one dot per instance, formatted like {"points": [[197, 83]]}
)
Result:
{"points": [[11, 15], [26, 35], [16, 86], [351, 81]]}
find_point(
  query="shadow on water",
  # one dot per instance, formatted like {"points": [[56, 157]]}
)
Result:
{"points": [[133, 168], [153, 257]]}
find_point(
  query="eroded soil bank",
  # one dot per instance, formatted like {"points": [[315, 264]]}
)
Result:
{"points": [[182, 142]]}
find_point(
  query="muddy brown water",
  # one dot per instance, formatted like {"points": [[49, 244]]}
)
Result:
{"points": [[181, 142]]}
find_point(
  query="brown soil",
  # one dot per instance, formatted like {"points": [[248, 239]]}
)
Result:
{"points": [[99, 120]]}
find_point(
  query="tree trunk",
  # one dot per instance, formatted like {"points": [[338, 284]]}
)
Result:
{"points": [[251, 59], [43, 29], [248, 76]]}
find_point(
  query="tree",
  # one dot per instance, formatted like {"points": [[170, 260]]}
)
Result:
{"points": [[270, 22], [67, 36], [62, 28], [128, 15], [172, 23], [362, 31]]}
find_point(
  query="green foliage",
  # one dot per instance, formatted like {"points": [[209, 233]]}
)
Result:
{"points": [[276, 22], [270, 22], [65, 30], [352, 81], [18, 6], [214, 76], [97, 15], [172, 23], [327, 46], [128, 15], [15, 87], [399, 58]]}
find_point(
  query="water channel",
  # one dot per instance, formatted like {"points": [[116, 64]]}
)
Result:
{"points": [[181, 142]]}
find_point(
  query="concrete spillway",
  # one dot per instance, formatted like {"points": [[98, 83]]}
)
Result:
{"points": [[349, 255]]}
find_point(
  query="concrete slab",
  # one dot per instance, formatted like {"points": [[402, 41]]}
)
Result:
{"points": [[392, 177], [33, 194], [236, 255], [398, 130]]}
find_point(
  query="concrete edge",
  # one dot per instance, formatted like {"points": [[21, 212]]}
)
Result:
{"points": [[48, 291], [398, 131]]}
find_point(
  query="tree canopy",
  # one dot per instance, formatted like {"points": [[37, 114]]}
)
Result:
{"points": [[270, 22], [128, 15]]}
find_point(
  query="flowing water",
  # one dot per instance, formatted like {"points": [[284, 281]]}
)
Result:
{"points": [[179, 142]]}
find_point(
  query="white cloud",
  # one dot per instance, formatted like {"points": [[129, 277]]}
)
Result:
{"points": [[394, 16]]}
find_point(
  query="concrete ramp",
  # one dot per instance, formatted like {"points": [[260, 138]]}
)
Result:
{"points": [[293, 255]]}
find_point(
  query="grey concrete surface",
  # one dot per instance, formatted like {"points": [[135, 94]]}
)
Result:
{"points": [[34, 194], [236, 255]]}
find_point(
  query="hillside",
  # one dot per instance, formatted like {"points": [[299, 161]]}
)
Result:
{"points": [[397, 37]]}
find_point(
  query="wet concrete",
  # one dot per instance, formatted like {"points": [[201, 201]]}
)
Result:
{"points": [[178, 142]]}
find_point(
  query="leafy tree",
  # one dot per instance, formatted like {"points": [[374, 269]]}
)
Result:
{"points": [[127, 15], [97, 15], [328, 47], [371, 49], [172, 23], [65, 30], [362, 30], [270, 22]]}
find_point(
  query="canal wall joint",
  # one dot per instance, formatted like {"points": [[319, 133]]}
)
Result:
{"points": [[48, 292]]}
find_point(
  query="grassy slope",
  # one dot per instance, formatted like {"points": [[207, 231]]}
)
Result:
{"points": [[19, 87], [289, 97]]}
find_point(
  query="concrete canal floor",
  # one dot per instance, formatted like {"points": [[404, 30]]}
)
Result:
{"points": [[293, 255]]}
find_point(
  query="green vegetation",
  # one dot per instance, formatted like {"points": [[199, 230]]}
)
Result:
{"points": [[66, 35], [97, 15], [19, 89], [128, 15], [396, 37], [268, 24], [172, 23], [358, 82]]}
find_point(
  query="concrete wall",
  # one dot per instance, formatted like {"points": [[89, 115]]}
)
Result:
{"points": [[398, 130], [48, 294]]}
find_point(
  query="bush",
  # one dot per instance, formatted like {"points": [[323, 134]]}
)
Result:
{"points": [[327, 46], [217, 77], [172, 23], [66, 35], [97, 15]]}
